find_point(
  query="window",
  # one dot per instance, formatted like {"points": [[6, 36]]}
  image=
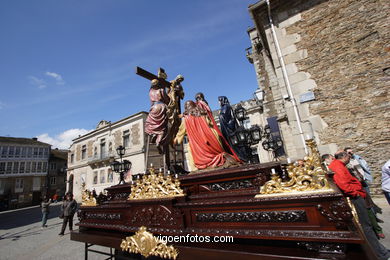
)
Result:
{"points": [[52, 180], [29, 152], [35, 152], [95, 177], [72, 158], [23, 152], [4, 152], [17, 152], [21, 168], [9, 167], [39, 167], [102, 176], [34, 167], [19, 185], [103, 152], [16, 167], [2, 167], [83, 152], [45, 152], [40, 153], [126, 138], [11, 151], [53, 166], [95, 152], [110, 176], [44, 167], [28, 167]]}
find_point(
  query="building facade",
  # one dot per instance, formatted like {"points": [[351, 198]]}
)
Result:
{"points": [[90, 155], [56, 178], [323, 67], [23, 171]]}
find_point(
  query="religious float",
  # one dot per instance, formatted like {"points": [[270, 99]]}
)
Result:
{"points": [[267, 211]]}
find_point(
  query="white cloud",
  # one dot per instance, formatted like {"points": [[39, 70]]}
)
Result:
{"points": [[56, 76], [40, 83], [64, 139]]}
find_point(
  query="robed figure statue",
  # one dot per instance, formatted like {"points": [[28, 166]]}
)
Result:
{"points": [[156, 123], [205, 145], [229, 125]]}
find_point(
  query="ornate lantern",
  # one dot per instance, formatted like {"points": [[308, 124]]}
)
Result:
{"points": [[240, 113], [255, 133]]}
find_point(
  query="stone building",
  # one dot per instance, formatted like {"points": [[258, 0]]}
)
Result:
{"points": [[90, 155], [330, 79], [23, 171], [56, 178]]}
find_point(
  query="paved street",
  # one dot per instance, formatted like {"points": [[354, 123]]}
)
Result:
{"points": [[21, 236]]}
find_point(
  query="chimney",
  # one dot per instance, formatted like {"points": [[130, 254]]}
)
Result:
{"points": [[35, 138]]}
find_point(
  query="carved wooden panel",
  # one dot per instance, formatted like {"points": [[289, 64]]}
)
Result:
{"points": [[254, 216]]}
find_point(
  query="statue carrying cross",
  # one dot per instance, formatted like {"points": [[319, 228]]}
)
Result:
{"points": [[163, 120]]}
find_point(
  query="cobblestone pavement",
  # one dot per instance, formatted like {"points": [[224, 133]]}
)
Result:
{"points": [[21, 236]]}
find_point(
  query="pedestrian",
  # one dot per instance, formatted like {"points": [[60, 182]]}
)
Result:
{"points": [[69, 207], [45, 210], [326, 159], [55, 197], [386, 180], [364, 169], [352, 188]]}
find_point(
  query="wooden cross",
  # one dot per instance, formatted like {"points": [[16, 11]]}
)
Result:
{"points": [[150, 76]]}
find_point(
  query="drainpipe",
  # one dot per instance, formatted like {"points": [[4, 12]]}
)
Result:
{"points": [[285, 76]]}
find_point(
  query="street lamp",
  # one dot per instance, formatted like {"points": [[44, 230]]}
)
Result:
{"points": [[271, 143], [243, 138], [122, 166]]}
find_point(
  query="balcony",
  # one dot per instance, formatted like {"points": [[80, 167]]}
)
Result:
{"points": [[101, 160]]}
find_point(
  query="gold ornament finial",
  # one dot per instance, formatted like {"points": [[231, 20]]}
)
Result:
{"points": [[155, 186], [87, 198], [309, 177], [144, 243]]}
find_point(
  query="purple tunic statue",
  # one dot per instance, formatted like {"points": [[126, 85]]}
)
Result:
{"points": [[156, 124]]}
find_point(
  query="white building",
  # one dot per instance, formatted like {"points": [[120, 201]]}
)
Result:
{"points": [[90, 155], [23, 171]]}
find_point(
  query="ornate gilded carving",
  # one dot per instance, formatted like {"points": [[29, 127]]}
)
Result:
{"points": [[144, 243], [338, 212], [257, 216], [307, 178], [155, 186], [87, 199]]}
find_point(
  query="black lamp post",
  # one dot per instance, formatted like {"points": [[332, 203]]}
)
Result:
{"points": [[122, 166], [243, 138], [271, 143]]}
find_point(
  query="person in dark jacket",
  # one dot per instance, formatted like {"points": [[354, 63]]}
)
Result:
{"points": [[45, 211], [69, 207]]}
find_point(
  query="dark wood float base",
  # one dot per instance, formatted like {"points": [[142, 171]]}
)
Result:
{"points": [[222, 203]]}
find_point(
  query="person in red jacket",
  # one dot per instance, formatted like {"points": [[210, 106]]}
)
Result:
{"points": [[352, 188]]}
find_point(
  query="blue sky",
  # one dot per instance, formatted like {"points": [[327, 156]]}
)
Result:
{"points": [[66, 65]]}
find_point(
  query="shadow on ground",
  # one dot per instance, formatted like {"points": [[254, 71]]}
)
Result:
{"points": [[13, 219]]}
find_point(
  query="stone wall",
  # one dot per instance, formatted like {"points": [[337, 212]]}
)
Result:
{"points": [[340, 51], [348, 44]]}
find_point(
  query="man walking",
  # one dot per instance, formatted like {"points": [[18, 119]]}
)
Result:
{"points": [[45, 211], [352, 188], [69, 207]]}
